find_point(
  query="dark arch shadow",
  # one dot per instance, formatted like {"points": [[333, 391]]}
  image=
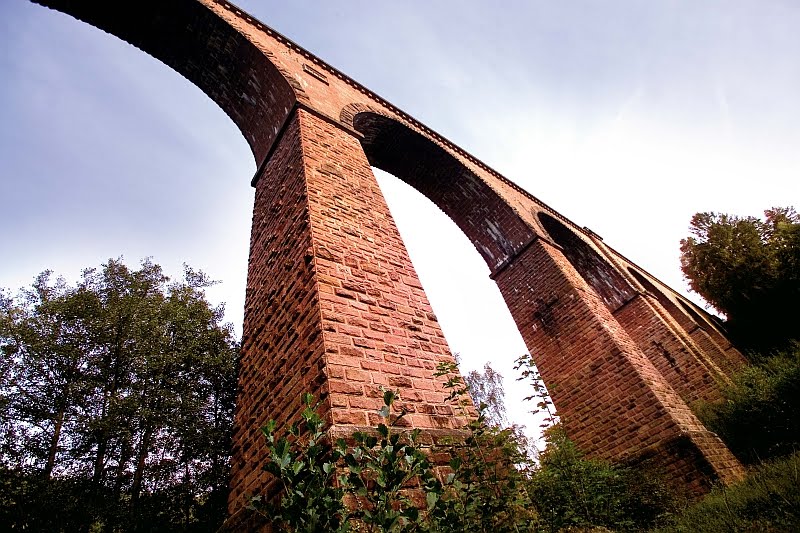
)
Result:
{"points": [[601, 275], [680, 310], [707, 322], [492, 226], [206, 50], [678, 314]]}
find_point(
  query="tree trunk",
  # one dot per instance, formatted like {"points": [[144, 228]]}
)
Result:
{"points": [[140, 464], [51, 453]]}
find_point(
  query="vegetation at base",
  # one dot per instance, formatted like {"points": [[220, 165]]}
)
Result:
{"points": [[116, 399], [572, 492], [748, 269], [767, 500], [758, 416], [386, 481]]}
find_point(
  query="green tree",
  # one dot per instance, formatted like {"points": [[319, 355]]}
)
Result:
{"points": [[486, 389], [119, 396], [748, 269]]}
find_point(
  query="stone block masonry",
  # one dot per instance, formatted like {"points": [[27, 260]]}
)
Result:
{"points": [[613, 400], [334, 306]]}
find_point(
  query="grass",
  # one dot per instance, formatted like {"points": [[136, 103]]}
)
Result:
{"points": [[766, 501]]}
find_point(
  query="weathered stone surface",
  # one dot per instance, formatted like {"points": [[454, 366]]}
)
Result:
{"points": [[334, 305]]}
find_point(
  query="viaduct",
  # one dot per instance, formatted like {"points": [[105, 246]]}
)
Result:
{"points": [[333, 303]]}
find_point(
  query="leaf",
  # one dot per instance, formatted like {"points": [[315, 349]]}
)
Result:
{"points": [[269, 428], [308, 398], [431, 498], [285, 461]]}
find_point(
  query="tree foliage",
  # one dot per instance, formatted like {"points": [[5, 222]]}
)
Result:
{"points": [[748, 269], [117, 398], [571, 491], [486, 389], [387, 481]]}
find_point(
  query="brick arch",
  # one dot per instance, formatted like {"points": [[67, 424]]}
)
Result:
{"points": [[347, 115], [599, 273], [705, 333], [490, 223], [207, 50], [698, 318], [683, 317], [333, 302]]}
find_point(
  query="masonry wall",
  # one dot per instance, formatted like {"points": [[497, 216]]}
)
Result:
{"points": [[705, 335], [334, 306], [614, 403], [333, 303]]}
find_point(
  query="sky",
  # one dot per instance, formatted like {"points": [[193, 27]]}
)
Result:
{"points": [[626, 116]]}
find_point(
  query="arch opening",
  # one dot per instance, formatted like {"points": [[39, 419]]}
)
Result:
{"points": [[682, 312], [468, 305], [487, 220], [679, 315], [601, 275], [699, 318], [205, 49]]}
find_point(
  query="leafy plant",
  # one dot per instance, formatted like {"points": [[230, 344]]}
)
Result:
{"points": [[486, 489], [570, 491], [385, 481], [385, 470], [544, 407], [757, 417], [304, 467]]}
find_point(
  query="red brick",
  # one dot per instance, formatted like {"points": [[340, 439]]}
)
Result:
{"points": [[326, 260]]}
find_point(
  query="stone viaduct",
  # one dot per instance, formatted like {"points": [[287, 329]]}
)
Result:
{"points": [[334, 305]]}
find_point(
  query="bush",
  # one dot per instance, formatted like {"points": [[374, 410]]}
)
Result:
{"points": [[767, 500], [570, 491], [757, 418], [390, 484]]}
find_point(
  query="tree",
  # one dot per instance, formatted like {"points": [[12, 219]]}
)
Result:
{"points": [[748, 269], [486, 389], [118, 395]]}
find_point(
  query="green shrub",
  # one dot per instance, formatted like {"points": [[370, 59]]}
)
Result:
{"points": [[767, 500], [757, 418], [569, 491], [390, 485], [487, 489], [304, 467]]}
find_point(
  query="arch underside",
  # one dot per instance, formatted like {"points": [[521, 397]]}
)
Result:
{"points": [[565, 296], [489, 222], [206, 50]]}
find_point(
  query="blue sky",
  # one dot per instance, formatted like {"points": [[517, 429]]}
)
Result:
{"points": [[626, 116]]}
